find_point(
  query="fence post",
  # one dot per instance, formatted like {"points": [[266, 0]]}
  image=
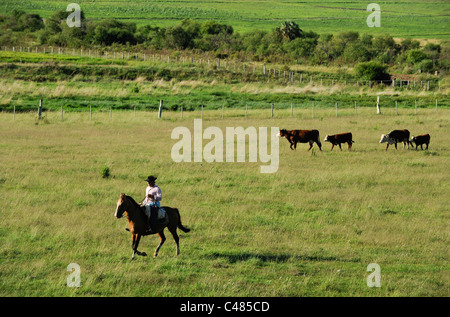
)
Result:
{"points": [[40, 108], [336, 109], [272, 110], [396, 108], [160, 109], [378, 105]]}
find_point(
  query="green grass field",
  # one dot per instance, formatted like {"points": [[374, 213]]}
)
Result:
{"points": [[310, 229], [414, 19]]}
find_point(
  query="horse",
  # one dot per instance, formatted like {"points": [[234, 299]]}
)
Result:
{"points": [[137, 224]]}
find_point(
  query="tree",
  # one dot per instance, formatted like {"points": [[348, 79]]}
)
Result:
{"points": [[112, 31], [215, 28], [176, 37], [289, 30]]}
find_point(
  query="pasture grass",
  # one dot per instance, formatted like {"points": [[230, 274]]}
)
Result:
{"points": [[400, 18], [310, 229]]}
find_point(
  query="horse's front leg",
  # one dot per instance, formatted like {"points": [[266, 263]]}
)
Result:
{"points": [[135, 244]]}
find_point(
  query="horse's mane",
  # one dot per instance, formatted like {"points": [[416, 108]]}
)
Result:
{"points": [[133, 201]]}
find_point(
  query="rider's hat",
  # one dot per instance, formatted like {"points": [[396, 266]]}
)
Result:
{"points": [[151, 179]]}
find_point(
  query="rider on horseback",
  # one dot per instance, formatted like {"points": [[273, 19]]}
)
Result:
{"points": [[153, 196]]}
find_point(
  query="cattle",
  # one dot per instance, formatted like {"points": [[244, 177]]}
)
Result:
{"points": [[396, 136], [337, 139], [421, 140], [302, 136]]}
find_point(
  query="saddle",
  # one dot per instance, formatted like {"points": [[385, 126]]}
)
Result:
{"points": [[157, 217]]}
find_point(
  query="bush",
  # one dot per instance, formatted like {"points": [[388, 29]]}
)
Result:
{"points": [[426, 66], [372, 71], [415, 56], [105, 172]]}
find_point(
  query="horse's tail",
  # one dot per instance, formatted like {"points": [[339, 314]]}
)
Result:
{"points": [[179, 224]]}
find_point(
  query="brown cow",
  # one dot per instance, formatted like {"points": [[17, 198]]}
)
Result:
{"points": [[302, 136], [396, 136], [337, 139], [421, 140]]}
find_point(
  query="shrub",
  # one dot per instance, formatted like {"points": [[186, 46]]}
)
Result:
{"points": [[105, 172], [415, 56], [426, 66], [372, 71]]}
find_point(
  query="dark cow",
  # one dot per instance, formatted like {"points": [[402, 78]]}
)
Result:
{"points": [[302, 136], [421, 140], [396, 136], [337, 139]]}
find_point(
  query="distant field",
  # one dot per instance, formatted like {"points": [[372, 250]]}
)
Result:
{"points": [[416, 19], [310, 229]]}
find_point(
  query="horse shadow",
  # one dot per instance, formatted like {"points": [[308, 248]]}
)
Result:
{"points": [[233, 258]]}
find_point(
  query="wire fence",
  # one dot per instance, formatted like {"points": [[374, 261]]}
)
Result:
{"points": [[310, 110]]}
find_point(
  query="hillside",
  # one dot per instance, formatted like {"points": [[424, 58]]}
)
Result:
{"points": [[412, 19]]}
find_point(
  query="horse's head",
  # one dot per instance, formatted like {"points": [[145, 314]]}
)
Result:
{"points": [[120, 209]]}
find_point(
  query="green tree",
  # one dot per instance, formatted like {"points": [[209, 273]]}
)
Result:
{"points": [[289, 30]]}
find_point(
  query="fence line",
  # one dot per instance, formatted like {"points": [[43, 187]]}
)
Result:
{"points": [[271, 112], [267, 71]]}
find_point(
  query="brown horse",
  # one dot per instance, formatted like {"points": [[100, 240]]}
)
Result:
{"points": [[137, 223]]}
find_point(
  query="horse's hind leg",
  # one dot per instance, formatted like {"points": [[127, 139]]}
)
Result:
{"points": [[133, 245], [176, 238], [161, 242]]}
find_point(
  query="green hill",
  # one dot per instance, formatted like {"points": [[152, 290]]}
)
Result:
{"points": [[412, 18]]}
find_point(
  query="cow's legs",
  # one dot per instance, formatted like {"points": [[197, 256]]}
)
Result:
{"points": [[387, 146], [340, 146], [310, 145], [332, 146]]}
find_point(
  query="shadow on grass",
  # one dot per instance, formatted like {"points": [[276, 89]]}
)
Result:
{"points": [[277, 258]]}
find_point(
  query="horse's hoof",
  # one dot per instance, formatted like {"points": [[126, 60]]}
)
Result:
{"points": [[144, 254]]}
